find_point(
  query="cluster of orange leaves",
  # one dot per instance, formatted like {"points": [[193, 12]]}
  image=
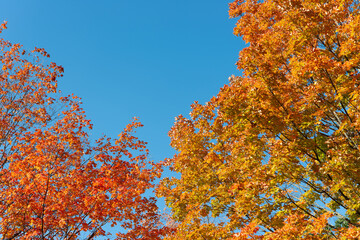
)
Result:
{"points": [[55, 183], [276, 154]]}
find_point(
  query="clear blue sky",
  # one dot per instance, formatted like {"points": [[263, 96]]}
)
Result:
{"points": [[126, 58]]}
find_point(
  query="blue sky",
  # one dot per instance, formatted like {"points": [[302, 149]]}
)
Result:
{"points": [[126, 58]]}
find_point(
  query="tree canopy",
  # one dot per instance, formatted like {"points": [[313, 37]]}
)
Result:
{"points": [[55, 183], [275, 155]]}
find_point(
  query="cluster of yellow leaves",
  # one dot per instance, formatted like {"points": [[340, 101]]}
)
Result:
{"points": [[275, 155], [55, 184]]}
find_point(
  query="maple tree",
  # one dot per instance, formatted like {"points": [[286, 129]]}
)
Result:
{"points": [[55, 183], [275, 155]]}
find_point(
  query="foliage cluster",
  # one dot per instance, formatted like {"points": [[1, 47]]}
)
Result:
{"points": [[275, 155], [54, 183]]}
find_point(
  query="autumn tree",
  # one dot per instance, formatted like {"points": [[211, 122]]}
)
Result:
{"points": [[54, 183], [275, 155]]}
